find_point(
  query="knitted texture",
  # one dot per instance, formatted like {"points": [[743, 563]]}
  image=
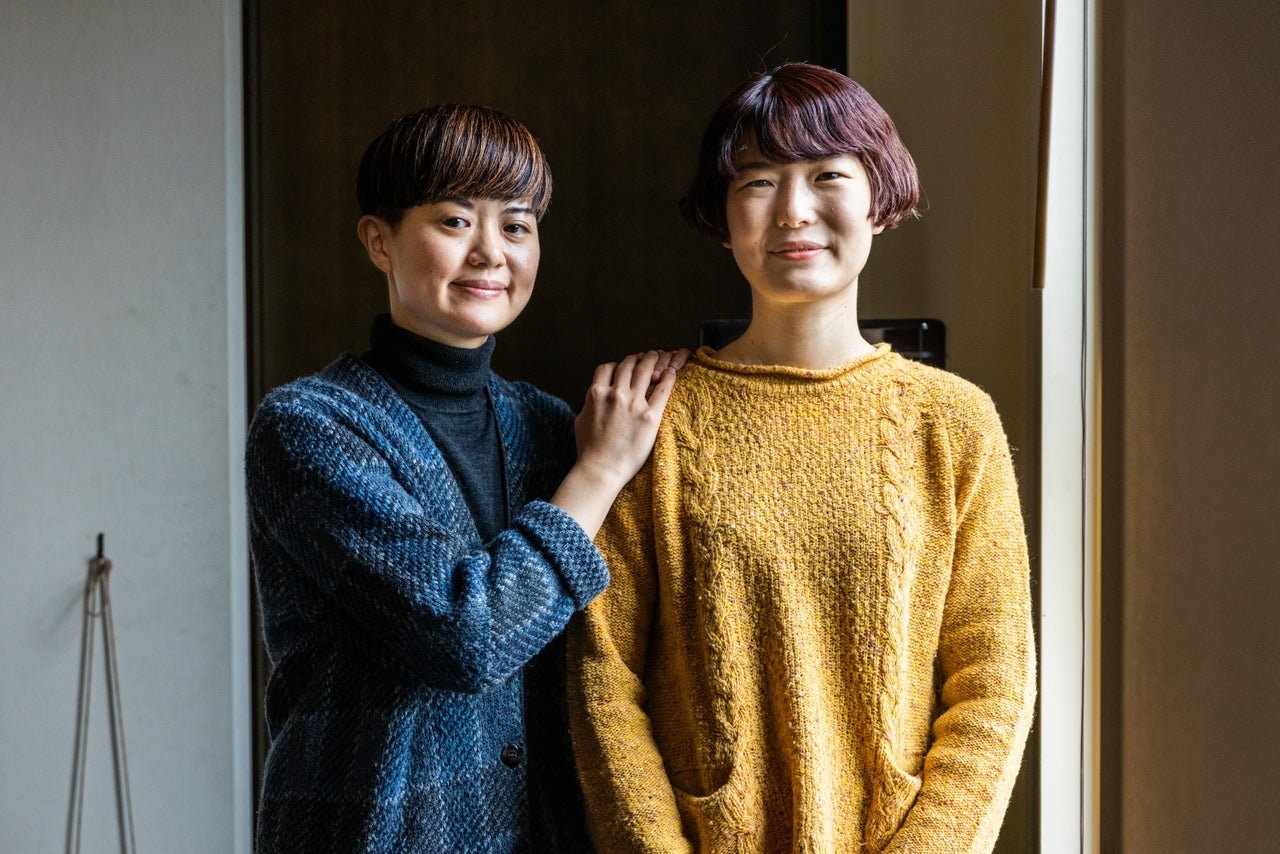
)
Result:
{"points": [[397, 705], [818, 633]]}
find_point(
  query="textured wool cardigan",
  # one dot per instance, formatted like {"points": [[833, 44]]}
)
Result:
{"points": [[818, 633], [402, 644]]}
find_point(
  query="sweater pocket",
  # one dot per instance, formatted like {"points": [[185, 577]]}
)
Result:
{"points": [[724, 820], [892, 796]]}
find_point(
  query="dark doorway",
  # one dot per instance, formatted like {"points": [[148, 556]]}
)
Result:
{"points": [[617, 94]]}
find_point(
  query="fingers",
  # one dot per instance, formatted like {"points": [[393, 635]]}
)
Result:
{"points": [[623, 373], [673, 359], [645, 371], [629, 377], [619, 421], [639, 371], [604, 374], [658, 396]]}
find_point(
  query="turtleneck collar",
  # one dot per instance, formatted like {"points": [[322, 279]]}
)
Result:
{"points": [[425, 367]]}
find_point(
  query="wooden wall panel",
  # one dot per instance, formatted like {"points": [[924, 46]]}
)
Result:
{"points": [[616, 92]]}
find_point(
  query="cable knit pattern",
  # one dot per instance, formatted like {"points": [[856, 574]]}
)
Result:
{"points": [[818, 634], [401, 642]]}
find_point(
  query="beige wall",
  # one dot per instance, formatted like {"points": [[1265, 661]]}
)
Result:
{"points": [[1191, 448], [961, 81], [1190, 299]]}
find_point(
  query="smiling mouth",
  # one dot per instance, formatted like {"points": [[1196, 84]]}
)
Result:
{"points": [[483, 288], [796, 251]]}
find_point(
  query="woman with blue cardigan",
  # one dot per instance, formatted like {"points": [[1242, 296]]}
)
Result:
{"points": [[421, 527]]}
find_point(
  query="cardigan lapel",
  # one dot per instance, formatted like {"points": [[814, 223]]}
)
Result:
{"points": [[514, 441], [412, 452]]}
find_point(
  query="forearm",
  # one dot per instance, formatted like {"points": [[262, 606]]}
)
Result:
{"points": [[986, 661], [461, 620], [460, 614], [586, 494], [969, 773], [630, 803]]}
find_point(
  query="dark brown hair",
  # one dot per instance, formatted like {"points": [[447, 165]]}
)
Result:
{"points": [[802, 112], [451, 150]]}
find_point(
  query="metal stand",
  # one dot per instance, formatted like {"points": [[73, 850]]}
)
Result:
{"points": [[97, 603]]}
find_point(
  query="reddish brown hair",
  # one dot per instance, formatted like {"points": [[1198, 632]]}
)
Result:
{"points": [[451, 150], [802, 112]]}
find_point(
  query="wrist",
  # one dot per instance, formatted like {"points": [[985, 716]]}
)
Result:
{"points": [[599, 475], [587, 492]]}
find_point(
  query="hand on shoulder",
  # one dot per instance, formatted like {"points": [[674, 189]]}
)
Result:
{"points": [[615, 431]]}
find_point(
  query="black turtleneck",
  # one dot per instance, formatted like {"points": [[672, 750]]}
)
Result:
{"points": [[448, 389]]}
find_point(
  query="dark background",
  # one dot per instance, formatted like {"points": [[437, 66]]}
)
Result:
{"points": [[617, 93]]}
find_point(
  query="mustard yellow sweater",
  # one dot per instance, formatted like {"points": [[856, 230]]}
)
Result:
{"points": [[818, 633]]}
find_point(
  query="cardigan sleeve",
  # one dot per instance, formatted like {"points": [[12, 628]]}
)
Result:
{"points": [[326, 506], [631, 806], [986, 656]]}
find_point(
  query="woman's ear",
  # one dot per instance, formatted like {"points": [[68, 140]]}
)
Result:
{"points": [[375, 234]]}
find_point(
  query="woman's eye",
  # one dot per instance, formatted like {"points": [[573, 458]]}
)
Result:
{"points": [[828, 176], [759, 182], [518, 228], [453, 222]]}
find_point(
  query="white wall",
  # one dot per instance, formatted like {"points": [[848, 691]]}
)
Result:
{"points": [[1067, 412], [121, 374]]}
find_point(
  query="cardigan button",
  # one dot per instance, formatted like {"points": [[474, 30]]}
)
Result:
{"points": [[512, 755]]}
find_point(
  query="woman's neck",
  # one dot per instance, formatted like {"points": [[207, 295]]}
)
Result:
{"points": [[799, 335]]}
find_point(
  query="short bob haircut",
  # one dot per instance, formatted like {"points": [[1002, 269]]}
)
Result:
{"points": [[451, 150], [802, 112]]}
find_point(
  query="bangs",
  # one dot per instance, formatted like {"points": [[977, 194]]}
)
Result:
{"points": [[495, 162], [786, 127], [452, 150]]}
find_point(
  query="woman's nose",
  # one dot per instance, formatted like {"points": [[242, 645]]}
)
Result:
{"points": [[486, 249], [795, 206]]}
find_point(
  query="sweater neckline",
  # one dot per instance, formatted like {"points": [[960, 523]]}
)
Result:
{"points": [[428, 369], [706, 356]]}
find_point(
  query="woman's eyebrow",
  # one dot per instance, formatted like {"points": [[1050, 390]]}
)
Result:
{"points": [[467, 203]]}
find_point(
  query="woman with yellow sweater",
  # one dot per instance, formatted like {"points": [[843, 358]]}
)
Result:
{"points": [[818, 633]]}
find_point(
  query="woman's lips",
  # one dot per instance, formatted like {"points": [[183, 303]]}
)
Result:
{"points": [[482, 288], [799, 250]]}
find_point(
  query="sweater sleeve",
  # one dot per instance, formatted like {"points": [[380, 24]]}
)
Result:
{"points": [[330, 515], [986, 657], [631, 806]]}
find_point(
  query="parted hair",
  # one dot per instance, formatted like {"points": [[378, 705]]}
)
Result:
{"points": [[451, 150], [799, 112]]}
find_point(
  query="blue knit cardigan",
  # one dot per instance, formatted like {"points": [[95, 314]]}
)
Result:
{"points": [[408, 653]]}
